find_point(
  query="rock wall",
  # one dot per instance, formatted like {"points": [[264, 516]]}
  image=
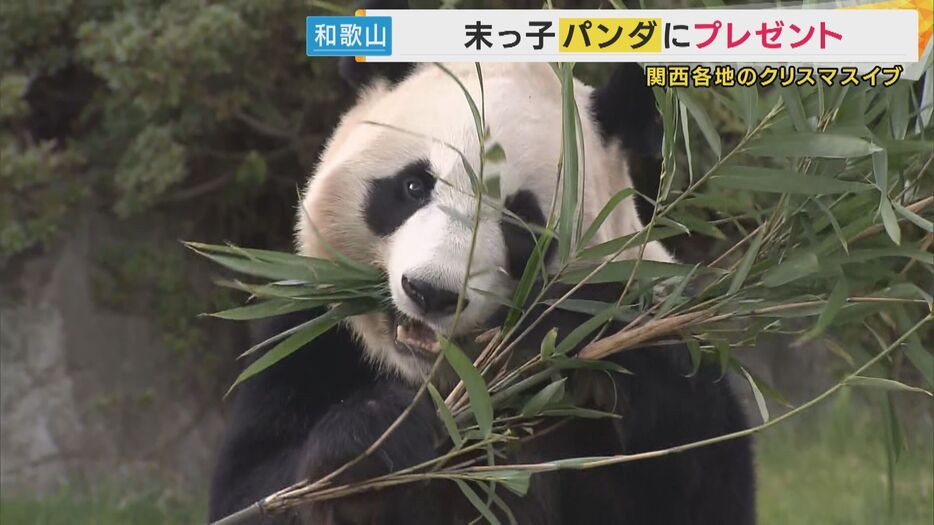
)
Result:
{"points": [[90, 395]]}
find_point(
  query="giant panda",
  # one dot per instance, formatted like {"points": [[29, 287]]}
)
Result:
{"points": [[390, 190]]}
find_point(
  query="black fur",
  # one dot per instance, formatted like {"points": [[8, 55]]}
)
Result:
{"points": [[624, 109], [322, 406], [520, 242], [273, 414], [388, 206]]}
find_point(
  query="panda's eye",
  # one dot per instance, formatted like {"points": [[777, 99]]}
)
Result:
{"points": [[415, 188]]}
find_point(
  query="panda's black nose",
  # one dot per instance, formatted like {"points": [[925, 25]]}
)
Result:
{"points": [[429, 298]]}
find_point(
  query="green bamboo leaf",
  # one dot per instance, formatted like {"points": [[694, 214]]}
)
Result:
{"points": [[527, 281], [480, 403], [267, 309], [257, 254], [708, 130], [723, 355], [833, 222], [927, 100], [300, 338], [591, 308], [880, 170], [791, 96], [697, 225], [742, 271], [572, 411], [811, 145], [720, 202], [492, 296], [347, 308], [285, 266], [694, 351], [604, 249], [542, 398], [340, 268], [491, 184], [867, 255], [686, 134], [889, 220], [768, 390], [260, 269], [477, 502], [513, 479], [885, 384], [604, 213], [899, 101], [794, 268], [675, 297], [919, 356], [757, 394], [750, 97], [911, 216], [490, 492], [446, 417], [578, 363], [577, 335], [782, 181], [619, 271], [475, 185], [548, 344], [667, 106], [304, 291], [569, 164], [495, 153], [907, 146], [835, 302], [671, 223]]}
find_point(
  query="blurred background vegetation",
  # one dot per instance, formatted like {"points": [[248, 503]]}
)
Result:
{"points": [[127, 126]]}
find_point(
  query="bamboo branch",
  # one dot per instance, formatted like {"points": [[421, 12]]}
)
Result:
{"points": [[292, 497]]}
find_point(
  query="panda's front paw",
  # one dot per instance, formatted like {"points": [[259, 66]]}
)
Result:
{"points": [[348, 430], [350, 427]]}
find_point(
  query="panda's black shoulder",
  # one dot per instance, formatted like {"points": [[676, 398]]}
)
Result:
{"points": [[662, 401], [273, 412], [306, 381]]}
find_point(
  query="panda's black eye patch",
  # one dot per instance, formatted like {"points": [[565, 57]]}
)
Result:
{"points": [[520, 242], [392, 200]]}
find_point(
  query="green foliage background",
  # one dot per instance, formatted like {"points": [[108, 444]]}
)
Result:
{"points": [[144, 108], [179, 119]]}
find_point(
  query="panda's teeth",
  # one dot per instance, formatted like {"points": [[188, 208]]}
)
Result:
{"points": [[414, 336]]}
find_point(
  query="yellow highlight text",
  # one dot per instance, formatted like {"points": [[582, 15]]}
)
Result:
{"points": [[609, 35]]}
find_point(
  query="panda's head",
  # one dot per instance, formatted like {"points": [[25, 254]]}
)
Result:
{"points": [[392, 190]]}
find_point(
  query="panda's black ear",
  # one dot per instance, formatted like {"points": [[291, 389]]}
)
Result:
{"points": [[625, 111], [360, 74]]}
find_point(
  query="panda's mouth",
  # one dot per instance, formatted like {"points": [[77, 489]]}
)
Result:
{"points": [[414, 334]]}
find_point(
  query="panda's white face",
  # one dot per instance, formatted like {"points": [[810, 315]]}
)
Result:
{"points": [[391, 190]]}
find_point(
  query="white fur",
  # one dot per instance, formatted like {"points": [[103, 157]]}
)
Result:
{"points": [[429, 115]]}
